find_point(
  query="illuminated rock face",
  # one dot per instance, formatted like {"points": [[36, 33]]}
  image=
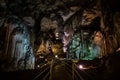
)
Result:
{"points": [[83, 48], [18, 51], [51, 33]]}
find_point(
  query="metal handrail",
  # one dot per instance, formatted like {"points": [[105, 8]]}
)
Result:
{"points": [[41, 73]]}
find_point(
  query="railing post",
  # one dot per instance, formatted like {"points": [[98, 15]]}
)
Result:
{"points": [[73, 74], [51, 70]]}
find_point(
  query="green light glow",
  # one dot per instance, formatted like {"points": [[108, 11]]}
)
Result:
{"points": [[83, 50]]}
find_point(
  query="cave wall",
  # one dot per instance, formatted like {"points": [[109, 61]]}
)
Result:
{"points": [[82, 27]]}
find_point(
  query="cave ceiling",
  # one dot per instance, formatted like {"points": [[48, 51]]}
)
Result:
{"points": [[28, 7]]}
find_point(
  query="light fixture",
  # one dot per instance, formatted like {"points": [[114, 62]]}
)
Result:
{"points": [[81, 66]]}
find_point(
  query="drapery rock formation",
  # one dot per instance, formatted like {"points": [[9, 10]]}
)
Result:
{"points": [[17, 49]]}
